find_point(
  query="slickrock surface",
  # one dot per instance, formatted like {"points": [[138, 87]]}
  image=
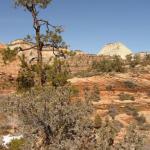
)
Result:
{"points": [[115, 49], [117, 82]]}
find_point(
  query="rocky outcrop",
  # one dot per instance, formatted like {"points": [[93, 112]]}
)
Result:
{"points": [[115, 49], [31, 51], [111, 86]]}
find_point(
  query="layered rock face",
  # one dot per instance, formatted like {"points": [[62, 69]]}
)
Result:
{"points": [[30, 54], [47, 52], [115, 49]]}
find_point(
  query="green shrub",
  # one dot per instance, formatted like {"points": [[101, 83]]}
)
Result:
{"points": [[95, 94], [51, 117], [97, 121], [135, 61], [114, 64], [8, 55], [57, 73], [145, 127], [109, 87], [25, 80], [131, 111], [130, 84], [140, 119], [123, 96], [16, 144], [112, 111]]}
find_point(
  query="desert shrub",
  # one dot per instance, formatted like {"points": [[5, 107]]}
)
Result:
{"points": [[87, 95], [95, 94], [57, 73], [146, 60], [109, 87], [97, 121], [50, 120], [145, 127], [135, 61], [128, 59], [16, 144], [8, 55], [131, 111], [124, 96], [86, 73], [92, 94], [109, 65], [61, 124], [25, 80], [118, 64], [74, 91], [112, 111], [133, 139], [103, 66], [130, 84], [140, 119]]}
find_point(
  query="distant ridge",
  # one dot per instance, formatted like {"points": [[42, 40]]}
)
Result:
{"points": [[116, 48]]}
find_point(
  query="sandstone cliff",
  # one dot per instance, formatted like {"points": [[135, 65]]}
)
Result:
{"points": [[115, 49]]}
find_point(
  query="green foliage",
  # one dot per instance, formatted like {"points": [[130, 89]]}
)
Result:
{"points": [[16, 144], [133, 140], [109, 65], [97, 121], [133, 61], [146, 60], [140, 119], [40, 3], [128, 59], [71, 53], [8, 55], [124, 96], [131, 111], [74, 90], [62, 124], [57, 73], [112, 111], [92, 94], [46, 35], [109, 87], [52, 121], [95, 94], [25, 79], [130, 84]]}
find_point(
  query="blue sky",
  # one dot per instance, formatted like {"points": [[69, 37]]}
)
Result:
{"points": [[88, 24]]}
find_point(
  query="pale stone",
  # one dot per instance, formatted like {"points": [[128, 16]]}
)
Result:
{"points": [[117, 48]]}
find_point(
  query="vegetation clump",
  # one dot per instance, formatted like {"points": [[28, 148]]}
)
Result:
{"points": [[124, 96], [16, 144], [8, 55], [95, 94], [109, 65], [59, 123], [130, 84]]}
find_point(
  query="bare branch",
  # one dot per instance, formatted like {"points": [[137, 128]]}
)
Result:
{"points": [[26, 49]]}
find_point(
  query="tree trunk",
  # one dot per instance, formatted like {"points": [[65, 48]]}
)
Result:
{"points": [[40, 60]]}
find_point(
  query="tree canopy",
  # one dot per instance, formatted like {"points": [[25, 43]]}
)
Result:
{"points": [[28, 3]]}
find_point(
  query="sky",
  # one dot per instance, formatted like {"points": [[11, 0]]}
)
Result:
{"points": [[88, 24]]}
